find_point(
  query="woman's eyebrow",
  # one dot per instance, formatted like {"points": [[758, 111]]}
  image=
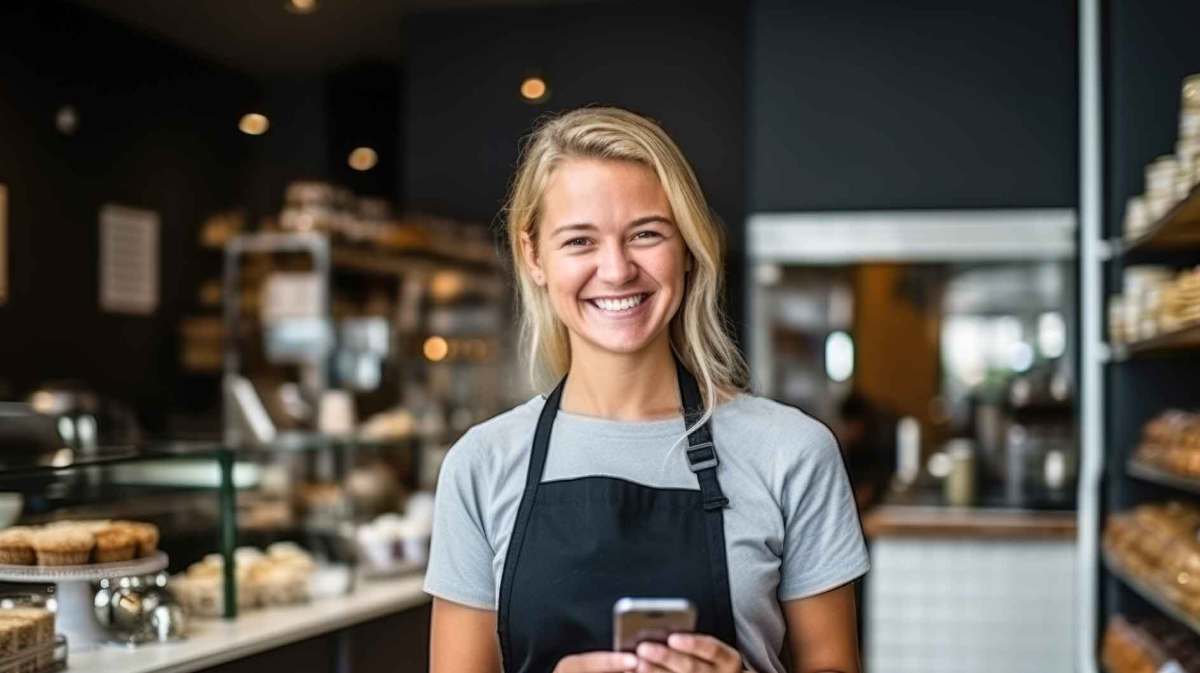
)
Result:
{"points": [[588, 226]]}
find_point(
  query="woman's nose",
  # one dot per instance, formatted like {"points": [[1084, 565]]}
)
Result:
{"points": [[616, 265]]}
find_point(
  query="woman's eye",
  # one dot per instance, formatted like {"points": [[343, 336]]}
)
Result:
{"points": [[647, 235], [576, 242]]}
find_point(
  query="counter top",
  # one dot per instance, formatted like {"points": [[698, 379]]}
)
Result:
{"points": [[216, 641], [966, 522]]}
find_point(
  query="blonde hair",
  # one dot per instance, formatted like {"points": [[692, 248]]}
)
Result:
{"points": [[698, 330]]}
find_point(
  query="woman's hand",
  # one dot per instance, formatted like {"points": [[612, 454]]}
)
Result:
{"points": [[597, 662], [689, 653]]}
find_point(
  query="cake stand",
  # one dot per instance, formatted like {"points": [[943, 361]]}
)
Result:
{"points": [[74, 594]]}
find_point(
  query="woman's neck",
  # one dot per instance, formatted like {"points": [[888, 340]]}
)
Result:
{"points": [[622, 386]]}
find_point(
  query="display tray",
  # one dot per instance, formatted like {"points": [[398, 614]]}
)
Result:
{"points": [[1157, 475], [91, 571], [43, 658]]}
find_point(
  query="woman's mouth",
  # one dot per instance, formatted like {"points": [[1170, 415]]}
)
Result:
{"points": [[619, 306]]}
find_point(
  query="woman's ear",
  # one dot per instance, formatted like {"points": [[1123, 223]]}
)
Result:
{"points": [[531, 259]]}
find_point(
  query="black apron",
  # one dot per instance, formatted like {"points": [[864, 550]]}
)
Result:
{"points": [[579, 545]]}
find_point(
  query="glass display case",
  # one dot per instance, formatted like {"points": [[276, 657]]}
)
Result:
{"points": [[237, 529]]}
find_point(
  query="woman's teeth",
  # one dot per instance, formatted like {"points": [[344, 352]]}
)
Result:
{"points": [[619, 304]]}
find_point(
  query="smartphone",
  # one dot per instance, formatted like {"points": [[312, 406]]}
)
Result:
{"points": [[636, 620]]}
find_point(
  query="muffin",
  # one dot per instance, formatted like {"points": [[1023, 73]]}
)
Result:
{"points": [[63, 545], [16, 546], [145, 533], [113, 544]]}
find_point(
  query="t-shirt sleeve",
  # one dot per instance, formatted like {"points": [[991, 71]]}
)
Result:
{"points": [[823, 546], [460, 555]]}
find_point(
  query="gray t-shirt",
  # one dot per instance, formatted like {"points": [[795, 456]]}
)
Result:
{"points": [[791, 529]]}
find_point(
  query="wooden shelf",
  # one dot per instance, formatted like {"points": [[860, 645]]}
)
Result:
{"points": [[1151, 595], [397, 263], [1178, 229], [1157, 475], [1178, 340]]}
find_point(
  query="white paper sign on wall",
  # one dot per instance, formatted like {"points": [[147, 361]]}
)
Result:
{"points": [[129, 259]]}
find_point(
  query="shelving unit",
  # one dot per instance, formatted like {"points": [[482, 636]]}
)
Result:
{"points": [[1124, 385]]}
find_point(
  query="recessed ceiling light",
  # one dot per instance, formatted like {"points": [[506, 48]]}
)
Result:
{"points": [[254, 124], [435, 349], [534, 90], [363, 159], [301, 6], [66, 120]]}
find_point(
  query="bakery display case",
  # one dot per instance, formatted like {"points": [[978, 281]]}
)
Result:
{"points": [[130, 544]]}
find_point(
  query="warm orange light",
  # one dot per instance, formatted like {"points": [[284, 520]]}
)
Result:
{"points": [[254, 124], [363, 159], [435, 349], [301, 6], [534, 89]]}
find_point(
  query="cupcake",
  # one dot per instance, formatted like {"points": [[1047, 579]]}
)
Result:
{"points": [[146, 534], [16, 546], [63, 545], [113, 544]]}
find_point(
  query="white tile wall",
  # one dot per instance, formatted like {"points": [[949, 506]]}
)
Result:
{"points": [[970, 606]]}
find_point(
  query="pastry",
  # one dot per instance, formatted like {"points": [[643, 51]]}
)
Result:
{"points": [[43, 630], [63, 545], [146, 534], [16, 546], [114, 544], [21, 635]]}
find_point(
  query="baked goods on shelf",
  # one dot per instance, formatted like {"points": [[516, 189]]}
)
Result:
{"points": [[280, 576], [1149, 646], [23, 629], [63, 543], [1157, 545], [1171, 441]]}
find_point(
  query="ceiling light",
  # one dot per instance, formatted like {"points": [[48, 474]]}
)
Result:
{"points": [[66, 120], [254, 124], [534, 89], [363, 159], [435, 349], [300, 6]]}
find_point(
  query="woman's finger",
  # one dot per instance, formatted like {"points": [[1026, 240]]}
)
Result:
{"points": [[672, 660], [705, 647], [597, 662]]}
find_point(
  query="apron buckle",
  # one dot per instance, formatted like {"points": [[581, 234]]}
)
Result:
{"points": [[702, 456]]}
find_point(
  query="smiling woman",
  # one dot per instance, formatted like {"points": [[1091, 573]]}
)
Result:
{"points": [[619, 265]]}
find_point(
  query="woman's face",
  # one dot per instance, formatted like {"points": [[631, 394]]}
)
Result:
{"points": [[609, 254]]}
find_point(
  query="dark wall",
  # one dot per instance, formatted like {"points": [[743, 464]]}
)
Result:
{"points": [[875, 104], [683, 65], [158, 131]]}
